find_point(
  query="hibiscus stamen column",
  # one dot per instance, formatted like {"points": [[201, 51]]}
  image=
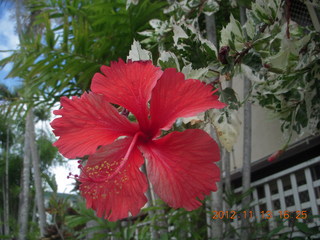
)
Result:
{"points": [[119, 168], [134, 140], [126, 157]]}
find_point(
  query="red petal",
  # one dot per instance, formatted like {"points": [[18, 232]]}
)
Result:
{"points": [[86, 123], [181, 167], [175, 97], [129, 85], [124, 192], [275, 155]]}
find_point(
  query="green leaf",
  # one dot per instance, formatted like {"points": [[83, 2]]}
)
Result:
{"points": [[229, 96], [178, 33], [303, 227], [168, 60], [137, 53], [275, 231], [194, 73], [253, 60], [227, 125]]}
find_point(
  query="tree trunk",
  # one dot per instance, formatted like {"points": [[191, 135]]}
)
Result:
{"points": [[91, 224], [153, 232], [216, 205], [34, 213], [227, 179], [30, 150], [6, 190], [243, 16], [227, 170], [161, 220], [3, 204], [227, 160], [25, 182], [18, 15], [227, 187], [37, 177], [211, 29], [246, 169], [216, 230], [216, 199]]}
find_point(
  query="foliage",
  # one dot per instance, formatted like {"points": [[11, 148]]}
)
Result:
{"points": [[100, 228], [74, 38], [181, 224], [282, 60], [59, 207], [12, 128], [48, 153]]}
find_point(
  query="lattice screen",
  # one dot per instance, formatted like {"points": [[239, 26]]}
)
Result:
{"points": [[299, 13], [306, 12], [295, 189]]}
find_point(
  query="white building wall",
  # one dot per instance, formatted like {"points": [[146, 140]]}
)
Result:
{"points": [[266, 131]]}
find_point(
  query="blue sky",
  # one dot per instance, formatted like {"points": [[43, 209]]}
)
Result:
{"points": [[8, 41]]}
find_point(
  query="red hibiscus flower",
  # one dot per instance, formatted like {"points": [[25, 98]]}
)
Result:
{"points": [[180, 165]]}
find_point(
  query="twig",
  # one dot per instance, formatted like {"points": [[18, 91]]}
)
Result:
{"points": [[56, 225], [288, 16], [199, 6], [240, 55]]}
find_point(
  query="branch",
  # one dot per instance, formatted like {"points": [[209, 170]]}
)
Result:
{"points": [[194, 9], [288, 16], [239, 55]]}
